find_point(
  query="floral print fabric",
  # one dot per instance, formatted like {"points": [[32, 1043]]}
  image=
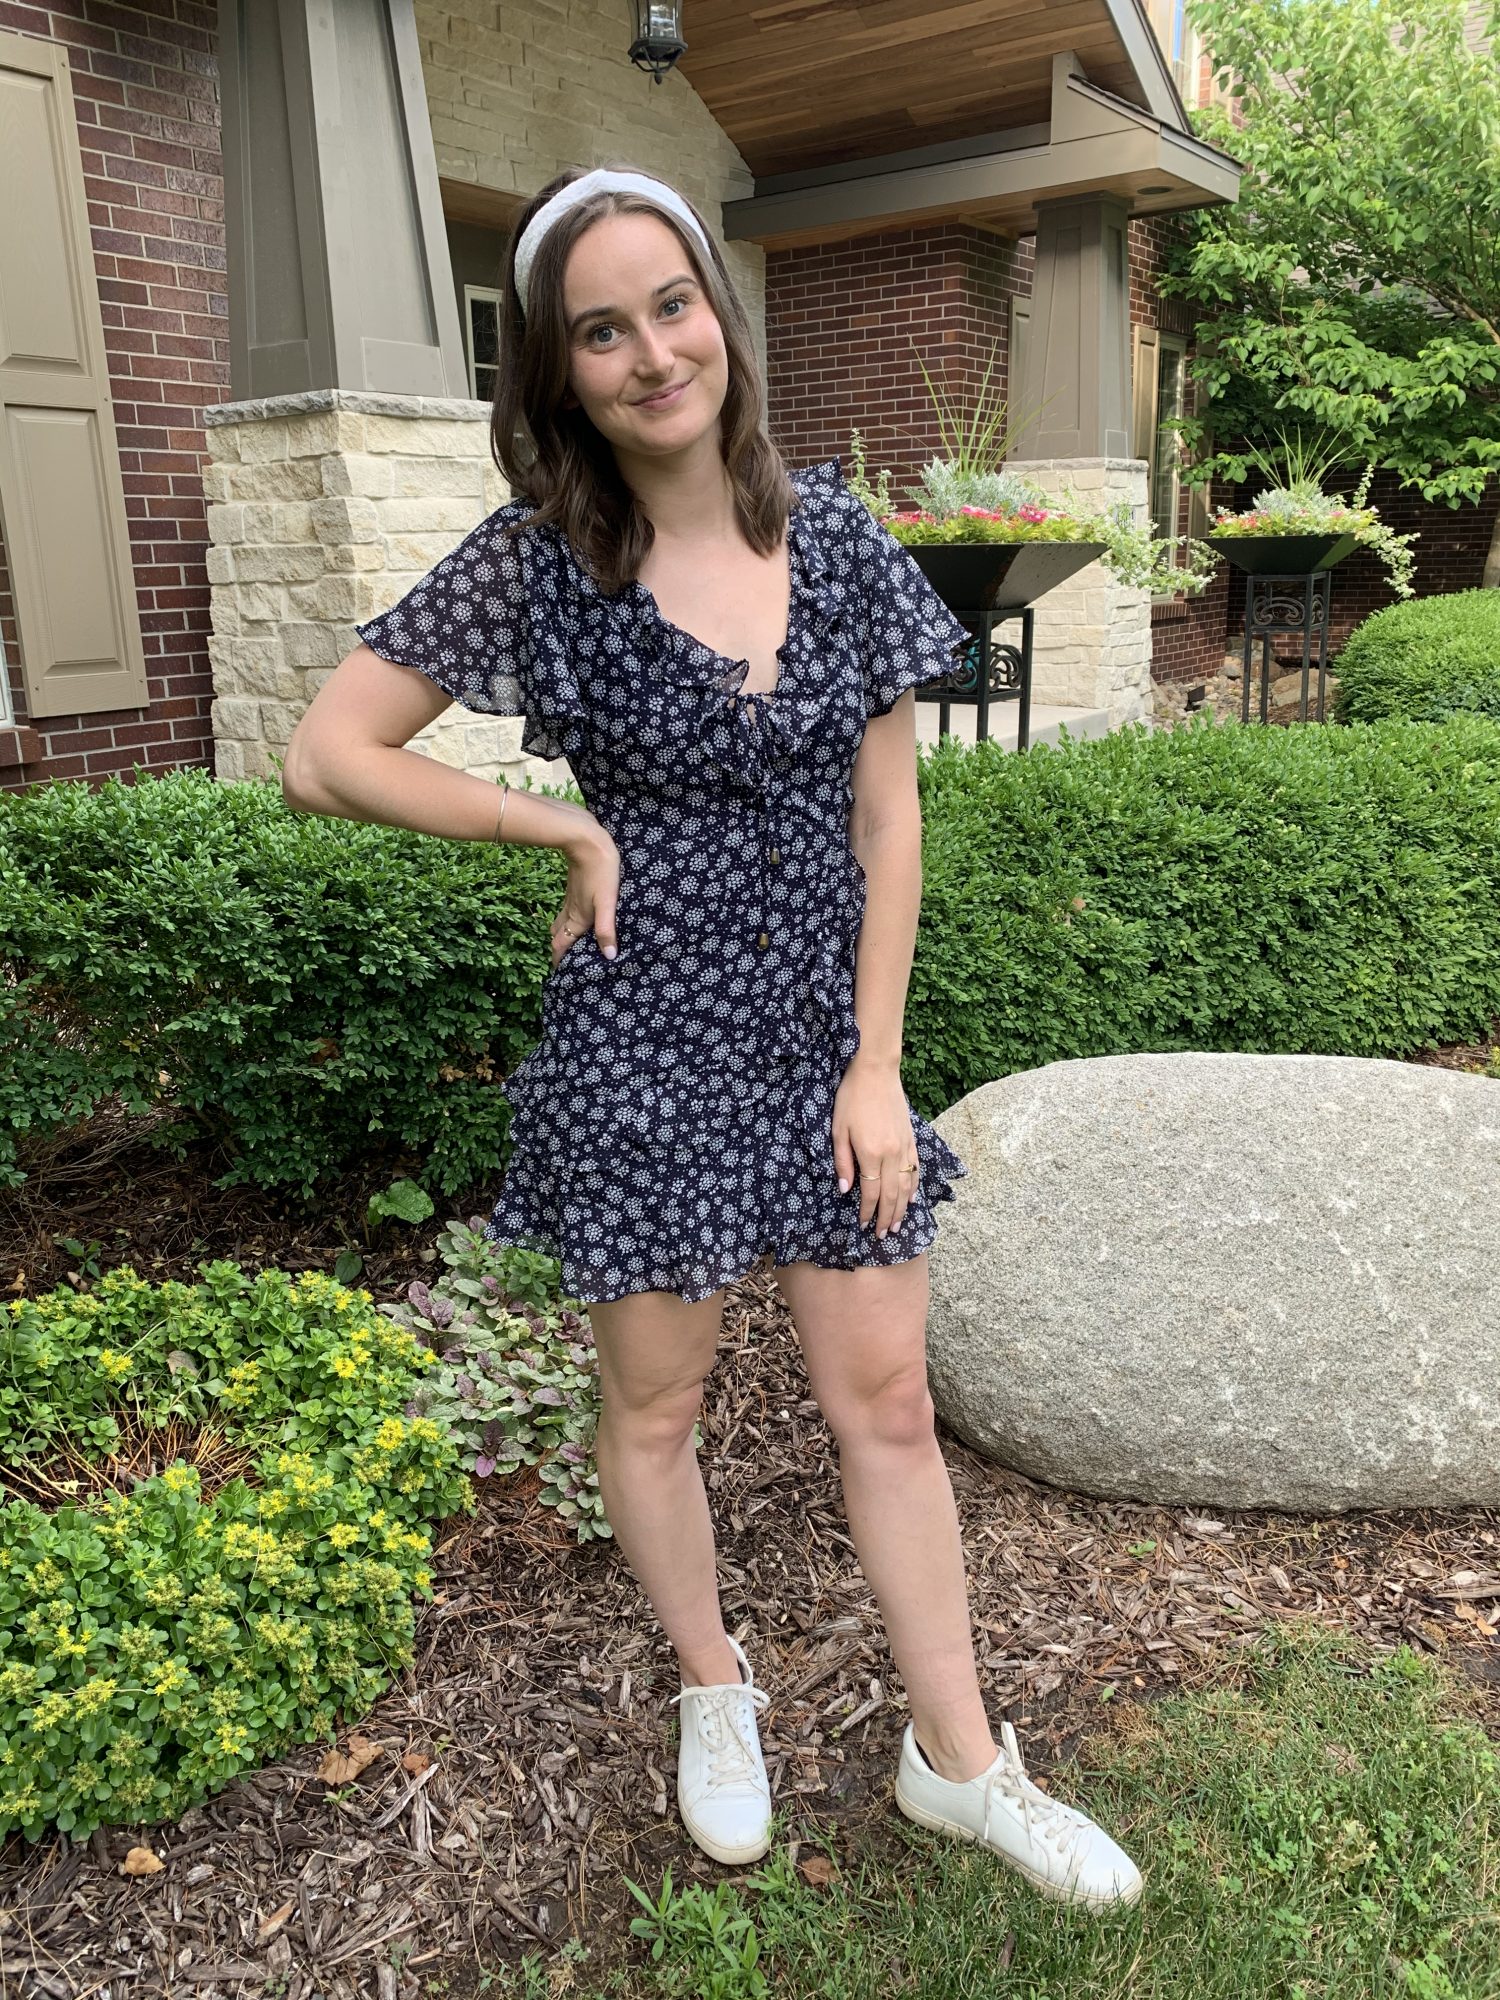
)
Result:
{"points": [[674, 1123]]}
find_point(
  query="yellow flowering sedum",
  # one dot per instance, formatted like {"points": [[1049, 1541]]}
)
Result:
{"points": [[145, 1670]]}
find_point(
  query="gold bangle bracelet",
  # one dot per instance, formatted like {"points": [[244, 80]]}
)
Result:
{"points": [[504, 802]]}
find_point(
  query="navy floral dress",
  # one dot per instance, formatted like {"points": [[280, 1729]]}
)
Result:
{"points": [[674, 1124]]}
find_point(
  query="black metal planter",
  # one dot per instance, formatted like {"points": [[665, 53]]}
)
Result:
{"points": [[984, 584], [1288, 588]]}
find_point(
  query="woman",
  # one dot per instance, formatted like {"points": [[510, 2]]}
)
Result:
{"points": [[725, 656]]}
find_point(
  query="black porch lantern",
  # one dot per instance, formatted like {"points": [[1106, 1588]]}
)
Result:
{"points": [[658, 37]]}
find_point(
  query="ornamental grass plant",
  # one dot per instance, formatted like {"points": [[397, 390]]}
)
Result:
{"points": [[161, 1634]]}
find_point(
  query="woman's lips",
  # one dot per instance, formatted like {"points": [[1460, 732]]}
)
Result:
{"points": [[664, 400]]}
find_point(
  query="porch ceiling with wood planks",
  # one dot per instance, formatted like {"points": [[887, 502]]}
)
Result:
{"points": [[800, 84]]}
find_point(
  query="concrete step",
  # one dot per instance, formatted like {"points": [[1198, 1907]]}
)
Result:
{"points": [[1005, 719]]}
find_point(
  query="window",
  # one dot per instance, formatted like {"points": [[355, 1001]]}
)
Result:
{"points": [[482, 340], [1165, 483], [1180, 45], [1160, 392]]}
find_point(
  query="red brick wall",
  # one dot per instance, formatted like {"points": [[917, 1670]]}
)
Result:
{"points": [[145, 90], [843, 321], [840, 322]]}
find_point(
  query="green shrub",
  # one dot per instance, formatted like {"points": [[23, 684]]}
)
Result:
{"points": [[154, 1644], [301, 989], [1426, 660], [1222, 886], [304, 988]]}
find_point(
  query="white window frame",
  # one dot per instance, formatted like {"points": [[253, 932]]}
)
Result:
{"points": [[1168, 343], [485, 294]]}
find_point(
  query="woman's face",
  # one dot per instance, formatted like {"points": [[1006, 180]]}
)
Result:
{"points": [[647, 361]]}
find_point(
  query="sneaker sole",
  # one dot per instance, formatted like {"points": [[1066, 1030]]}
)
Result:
{"points": [[937, 1823], [731, 1856]]}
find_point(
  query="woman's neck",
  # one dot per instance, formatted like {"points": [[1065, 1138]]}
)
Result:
{"points": [[687, 498]]}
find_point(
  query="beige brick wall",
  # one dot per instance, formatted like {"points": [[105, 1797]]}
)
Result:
{"points": [[322, 510], [517, 92], [1092, 646]]}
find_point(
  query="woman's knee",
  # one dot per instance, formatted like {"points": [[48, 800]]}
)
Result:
{"points": [[894, 1410], [658, 1418]]}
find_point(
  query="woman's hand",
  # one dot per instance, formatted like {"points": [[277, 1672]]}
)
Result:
{"points": [[592, 892], [872, 1135]]}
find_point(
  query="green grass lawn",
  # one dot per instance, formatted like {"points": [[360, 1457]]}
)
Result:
{"points": [[1315, 1823]]}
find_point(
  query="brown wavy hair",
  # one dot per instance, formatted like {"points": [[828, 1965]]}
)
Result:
{"points": [[556, 459]]}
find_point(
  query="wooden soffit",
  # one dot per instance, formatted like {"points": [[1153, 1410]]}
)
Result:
{"points": [[800, 84], [1088, 141]]}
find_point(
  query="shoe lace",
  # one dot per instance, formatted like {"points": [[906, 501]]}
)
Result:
{"points": [[724, 1718], [1046, 1819]]}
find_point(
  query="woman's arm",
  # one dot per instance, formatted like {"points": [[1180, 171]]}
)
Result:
{"points": [[347, 758], [885, 832]]}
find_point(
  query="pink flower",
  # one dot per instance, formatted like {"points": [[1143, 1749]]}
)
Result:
{"points": [[1030, 513]]}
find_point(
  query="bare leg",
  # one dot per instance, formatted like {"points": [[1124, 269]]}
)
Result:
{"points": [[654, 1352], [863, 1336]]}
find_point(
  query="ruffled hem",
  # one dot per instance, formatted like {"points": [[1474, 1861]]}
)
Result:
{"points": [[608, 1252]]}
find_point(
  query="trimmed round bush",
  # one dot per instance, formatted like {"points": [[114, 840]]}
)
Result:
{"points": [[1426, 659], [155, 1643]]}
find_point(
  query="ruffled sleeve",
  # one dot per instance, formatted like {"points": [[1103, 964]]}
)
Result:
{"points": [[490, 625], [911, 636]]}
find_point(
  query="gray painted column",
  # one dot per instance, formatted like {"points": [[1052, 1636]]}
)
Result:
{"points": [[1078, 349], [338, 261]]}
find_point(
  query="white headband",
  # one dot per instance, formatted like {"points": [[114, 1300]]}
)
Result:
{"points": [[600, 181]]}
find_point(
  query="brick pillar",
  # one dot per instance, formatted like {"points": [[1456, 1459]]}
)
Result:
{"points": [[324, 508]]}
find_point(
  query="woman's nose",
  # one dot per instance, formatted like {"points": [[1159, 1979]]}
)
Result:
{"points": [[656, 351]]}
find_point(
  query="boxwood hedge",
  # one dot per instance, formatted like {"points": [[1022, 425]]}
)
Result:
{"points": [[303, 988]]}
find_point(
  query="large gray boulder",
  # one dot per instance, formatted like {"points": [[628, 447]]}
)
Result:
{"points": [[1227, 1280]]}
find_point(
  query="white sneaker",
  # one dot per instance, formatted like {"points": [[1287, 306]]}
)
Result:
{"points": [[722, 1789], [1059, 1850]]}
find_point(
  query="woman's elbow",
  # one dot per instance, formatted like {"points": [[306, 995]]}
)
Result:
{"points": [[298, 783]]}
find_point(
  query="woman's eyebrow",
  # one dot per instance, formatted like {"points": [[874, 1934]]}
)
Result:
{"points": [[593, 312]]}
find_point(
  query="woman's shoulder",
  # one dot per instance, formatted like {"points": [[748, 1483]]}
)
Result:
{"points": [[843, 523]]}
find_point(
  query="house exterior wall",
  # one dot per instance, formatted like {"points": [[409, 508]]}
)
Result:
{"points": [[146, 100], [518, 93], [324, 509], [847, 324]]}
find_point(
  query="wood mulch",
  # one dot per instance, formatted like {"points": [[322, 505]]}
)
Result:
{"points": [[524, 1766]]}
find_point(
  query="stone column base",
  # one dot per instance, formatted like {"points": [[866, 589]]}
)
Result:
{"points": [[323, 509], [1093, 637]]}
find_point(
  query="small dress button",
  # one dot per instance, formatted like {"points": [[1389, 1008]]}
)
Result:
{"points": [[775, 855], [763, 940]]}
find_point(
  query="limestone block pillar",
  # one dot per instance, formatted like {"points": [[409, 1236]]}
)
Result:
{"points": [[323, 509], [1093, 637]]}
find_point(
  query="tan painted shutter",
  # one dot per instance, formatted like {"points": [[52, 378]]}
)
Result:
{"points": [[1020, 340], [1144, 362], [60, 488]]}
